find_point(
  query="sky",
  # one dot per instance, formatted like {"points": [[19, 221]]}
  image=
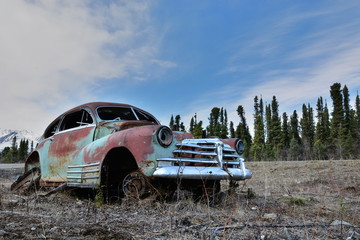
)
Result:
{"points": [[173, 57]]}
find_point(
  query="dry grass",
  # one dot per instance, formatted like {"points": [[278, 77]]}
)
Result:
{"points": [[293, 200]]}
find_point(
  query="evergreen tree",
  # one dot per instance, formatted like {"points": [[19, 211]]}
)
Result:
{"points": [[192, 125], [232, 130], [285, 130], [198, 130], [14, 150], [177, 123], [182, 127], [338, 111], [6, 155], [294, 127], [23, 149], [268, 123], [348, 130], [269, 148], [357, 124], [285, 137], [295, 142], [275, 124], [242, 130], [307, 131], [259, 131], [172, 122], [322, 132], [214, 126], [347, 114], [357, 111], [224, 124], [258, 147]]}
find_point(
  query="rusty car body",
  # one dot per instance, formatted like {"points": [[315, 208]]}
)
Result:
{"points": [[124, 149]]}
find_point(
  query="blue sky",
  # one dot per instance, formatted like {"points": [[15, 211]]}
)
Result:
{"points": [[172, 57]]}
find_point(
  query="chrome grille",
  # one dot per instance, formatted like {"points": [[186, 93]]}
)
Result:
{"points": [[207, 152]]}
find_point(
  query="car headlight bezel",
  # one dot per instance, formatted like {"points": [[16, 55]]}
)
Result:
{"points": [[164, 136], [240, 147]]}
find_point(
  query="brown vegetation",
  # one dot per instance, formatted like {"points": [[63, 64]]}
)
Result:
{"points": [[284, 200]]}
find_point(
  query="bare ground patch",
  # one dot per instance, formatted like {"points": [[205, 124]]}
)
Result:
{"points": [[288, 200]]}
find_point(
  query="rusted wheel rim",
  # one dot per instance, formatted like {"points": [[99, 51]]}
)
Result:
{"points": [[27, 181], [134, 185]]}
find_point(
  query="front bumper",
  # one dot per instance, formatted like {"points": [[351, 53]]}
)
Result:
{"points": [[198, 172]]}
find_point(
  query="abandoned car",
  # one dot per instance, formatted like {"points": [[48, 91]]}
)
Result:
{"points": [[122, 150]]}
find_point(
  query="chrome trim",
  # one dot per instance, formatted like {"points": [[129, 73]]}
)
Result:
{"points": [[85, 165], [83, 172], [81, 185], [208, 173], [202, 160], [86, 171], [195, 152], [223, 162]]}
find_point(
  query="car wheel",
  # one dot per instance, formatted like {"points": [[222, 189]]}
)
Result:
{"points": [[135, 185], [27, 182]]}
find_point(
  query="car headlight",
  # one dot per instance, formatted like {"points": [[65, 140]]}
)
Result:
{"points": [[164, 136], [240, 147]]}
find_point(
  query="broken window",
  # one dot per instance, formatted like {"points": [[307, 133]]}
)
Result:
{"points": [[76, 119], [51, 129], [145, 117]]}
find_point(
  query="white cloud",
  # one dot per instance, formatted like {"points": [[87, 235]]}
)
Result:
{"points": [[54, 52], [299, 76]]}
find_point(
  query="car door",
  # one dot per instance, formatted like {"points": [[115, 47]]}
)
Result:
{"points": [[76, 130]]}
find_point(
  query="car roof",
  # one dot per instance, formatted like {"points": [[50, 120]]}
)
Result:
{"points": [[94, 105]]}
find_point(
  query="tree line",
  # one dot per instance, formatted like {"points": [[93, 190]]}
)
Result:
{"points": [[16, 153], [314, 134]]}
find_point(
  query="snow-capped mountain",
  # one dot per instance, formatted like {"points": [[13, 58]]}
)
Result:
{"points": [[7, 135]]}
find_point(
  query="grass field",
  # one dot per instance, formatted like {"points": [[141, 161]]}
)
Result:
{"points": [[283, 200]]}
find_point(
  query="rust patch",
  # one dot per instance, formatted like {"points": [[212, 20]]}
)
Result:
{"points": [[230, 141], [179, 136], [65, 143]]}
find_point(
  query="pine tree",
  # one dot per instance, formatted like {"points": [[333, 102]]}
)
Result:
{"points": [[177, 123], [295, 142], [322, 132], [216, 120], [348, 130], [224, 125], [338, 111], [258, 147], [14, 150], [285, 132], [347, 120], [275, 123], [242, 130], [172, 122], [232, 130], [357, 111], [307, 131], [182, 127], [192, 125], [269, 148], [357, 124], [213, 122], [198, 130]]}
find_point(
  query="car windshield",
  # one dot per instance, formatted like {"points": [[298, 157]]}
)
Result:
{"points": [[124, 113]]}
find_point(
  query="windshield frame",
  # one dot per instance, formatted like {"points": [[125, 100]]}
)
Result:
{"points": [[132, 109]]}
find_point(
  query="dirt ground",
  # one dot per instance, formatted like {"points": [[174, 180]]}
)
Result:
{"points": [[283, 200]]}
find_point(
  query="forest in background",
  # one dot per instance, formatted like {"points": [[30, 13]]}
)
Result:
{"points": [[310, 135]]}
